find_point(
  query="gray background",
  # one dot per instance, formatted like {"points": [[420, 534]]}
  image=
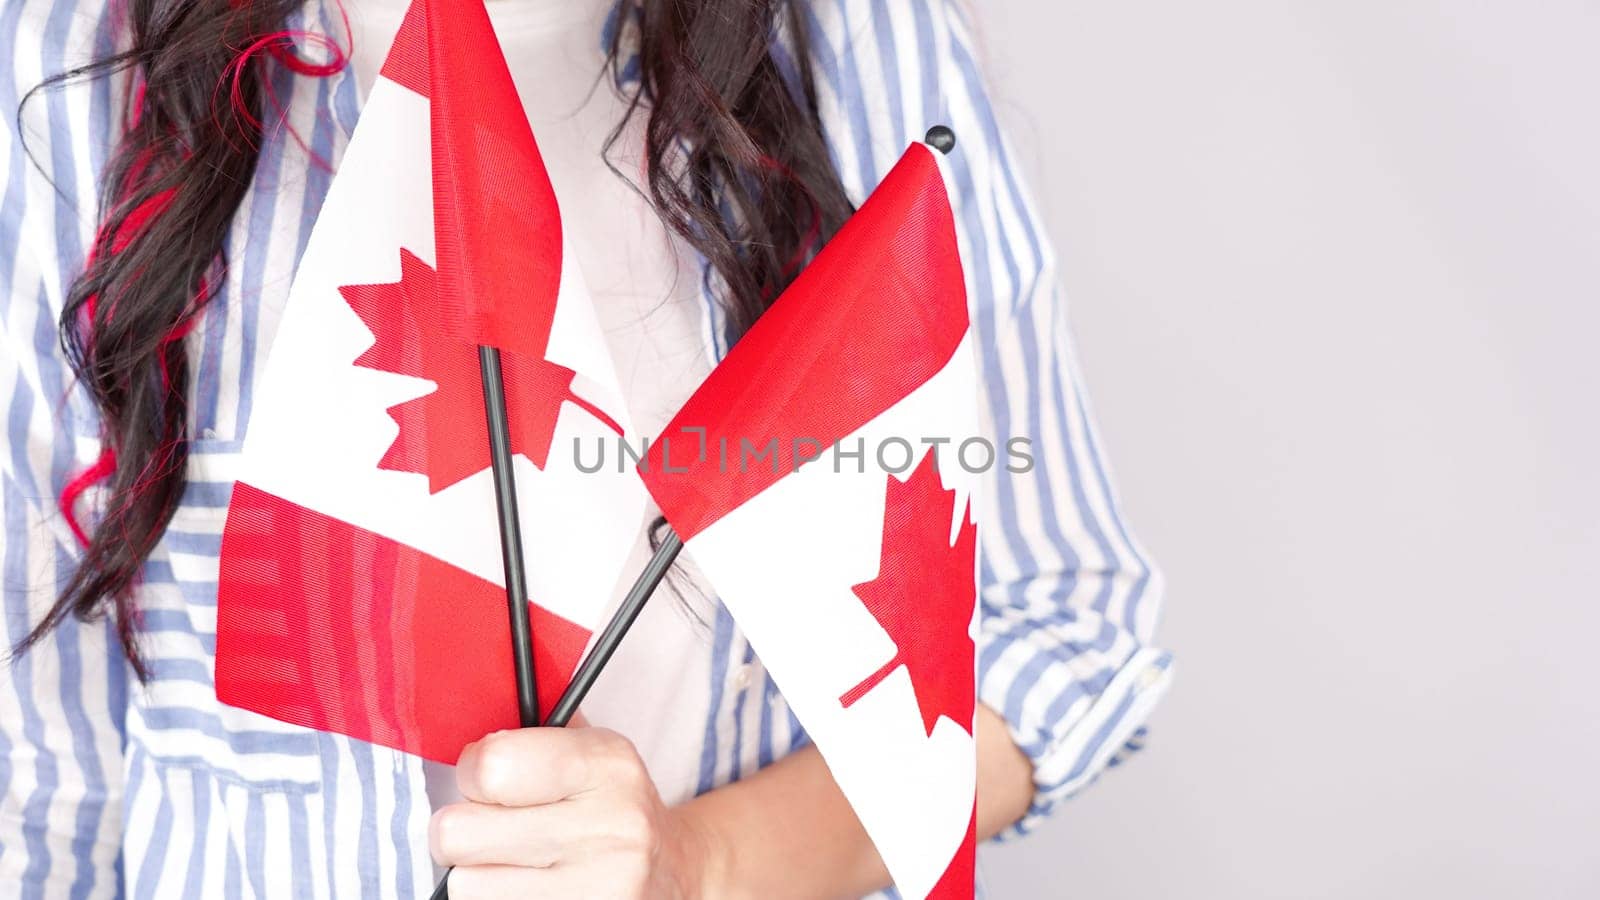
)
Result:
{"points": [[1334, 270]]}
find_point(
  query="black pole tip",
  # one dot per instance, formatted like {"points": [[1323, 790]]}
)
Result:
{"points": [[941, 138]]}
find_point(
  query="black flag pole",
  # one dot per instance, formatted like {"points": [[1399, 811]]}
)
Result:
{"points": [[505, 495], [940, 138], [616, 629], [583, 679]]}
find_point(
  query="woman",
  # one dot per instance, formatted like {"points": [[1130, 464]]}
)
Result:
{"points": [[724, 140]]}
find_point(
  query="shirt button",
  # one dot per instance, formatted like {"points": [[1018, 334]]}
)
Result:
{"points": [[1149, 677], [741, 676]]}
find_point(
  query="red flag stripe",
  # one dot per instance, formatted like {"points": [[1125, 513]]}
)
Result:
{"points": [[879, 312], [497, 227], [386, 644]]}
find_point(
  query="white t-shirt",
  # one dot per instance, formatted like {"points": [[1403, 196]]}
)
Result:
{"points": [[646, 288]]}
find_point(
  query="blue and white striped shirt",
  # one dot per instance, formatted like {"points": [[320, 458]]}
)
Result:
{"points": [[111, 788]]}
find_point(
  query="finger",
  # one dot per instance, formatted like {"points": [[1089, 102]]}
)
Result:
{"points": [[590, 882], [484, 882], [530, 766], [476, 834]]}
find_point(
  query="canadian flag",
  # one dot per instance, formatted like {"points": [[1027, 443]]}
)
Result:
{"points": [[362, 582], [803, 478]]}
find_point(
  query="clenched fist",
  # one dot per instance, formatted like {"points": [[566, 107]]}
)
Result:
{"points": [[565, 812]]}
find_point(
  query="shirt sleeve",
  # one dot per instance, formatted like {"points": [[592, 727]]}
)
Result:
{"points": [[1069, 599], [62, 703]]}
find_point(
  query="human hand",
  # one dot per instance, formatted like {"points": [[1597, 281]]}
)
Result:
{"points": [[566, 812]]}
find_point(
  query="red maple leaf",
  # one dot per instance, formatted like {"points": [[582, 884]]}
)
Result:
{"points": [[923, 597], [442, 433]]}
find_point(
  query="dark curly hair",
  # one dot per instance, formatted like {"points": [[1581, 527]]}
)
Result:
{"points": [[737, 166]]}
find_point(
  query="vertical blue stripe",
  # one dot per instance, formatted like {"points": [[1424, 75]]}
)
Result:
{"points": [[255, 843], [995, 386], [37, 807], [100, 115], [366, 856], [1064, 409], [840, 71], [1091, 522], [721, 642], [797, 733], [967, 68], [783, 60], [1028, 678], [200, 821], [85, 754], [398, 833], [68, 212], [15, 195], [346, 102], [135, 765], [15, 566], [8, 766], [716, 327], [231, 876], [263, 210], [213, 333], [52, 60], [152, 866], [299, 844], [889, 61], [736, 760], [769, 696], [328, 750], [1136, 595], [53, 383], [928, 59], [19, 415]]}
